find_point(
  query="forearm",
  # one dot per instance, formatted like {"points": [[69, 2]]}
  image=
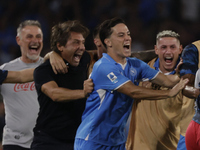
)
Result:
{"points": [[63, 94], [191, 92], [166, 80], [150, 94], [26, 75], [173, 79], [21, 76], [60, 94], [137, 92], [46, 57]]}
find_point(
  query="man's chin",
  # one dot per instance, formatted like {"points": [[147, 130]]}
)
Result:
{"points": [[33, 57], [75, 64]]}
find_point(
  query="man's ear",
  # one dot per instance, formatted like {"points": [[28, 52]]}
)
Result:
{"points": [[96, 42], [156, 49], [108, 42], [181, 49], [60, 48], [18, 40]]}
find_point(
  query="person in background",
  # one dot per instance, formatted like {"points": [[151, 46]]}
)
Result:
{"points": [[62, 96], [11, 77], [20, 100], [190, 66], [192, 134], [153, 125]]}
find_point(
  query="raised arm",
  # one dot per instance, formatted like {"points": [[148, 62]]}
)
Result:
{"points": [[60, 94], [189, 90], [56, 62], [166, 80], [137, 92], [21, 76]]}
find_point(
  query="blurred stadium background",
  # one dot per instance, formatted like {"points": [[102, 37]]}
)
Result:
{"points": [[145, 18]]}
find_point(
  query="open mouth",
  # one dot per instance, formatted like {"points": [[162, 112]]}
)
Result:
{"points": [[168, 59], [127, 46], [34, 47], [77, 57]]}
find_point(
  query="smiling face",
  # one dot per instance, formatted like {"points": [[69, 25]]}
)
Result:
{"points": [[30, 41], [74, 48], [119, 43], [168, 50]]}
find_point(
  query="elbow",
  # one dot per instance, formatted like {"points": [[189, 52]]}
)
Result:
{"points": [[168, 84], [195, 93], [135, 95], [191, 94], [53, 96]]}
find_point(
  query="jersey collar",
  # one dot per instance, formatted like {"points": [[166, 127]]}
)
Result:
{"points": [[156, 65], [108, 57]]}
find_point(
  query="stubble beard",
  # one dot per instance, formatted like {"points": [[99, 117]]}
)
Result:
{"points": [[33, 57]]}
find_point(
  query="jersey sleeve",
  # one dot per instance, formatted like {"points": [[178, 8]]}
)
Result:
{"points": [[108, 77], [190, 60], [3, 75], [146, 73]]}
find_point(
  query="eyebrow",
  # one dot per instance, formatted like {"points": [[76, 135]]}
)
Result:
{"points": [[76, 40], [124, 32]]}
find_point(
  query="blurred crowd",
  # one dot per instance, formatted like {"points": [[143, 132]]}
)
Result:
{"points": [[145, 18]]}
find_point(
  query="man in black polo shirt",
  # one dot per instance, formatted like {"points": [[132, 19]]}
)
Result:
{"points": [[62, 96]]}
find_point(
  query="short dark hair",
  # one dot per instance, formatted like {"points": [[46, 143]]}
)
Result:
{"points": [[105, 30], [61, 32], [96, 31]]}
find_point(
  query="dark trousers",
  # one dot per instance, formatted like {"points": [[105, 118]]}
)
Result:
{"points": [[42, 141], [14, 147]]}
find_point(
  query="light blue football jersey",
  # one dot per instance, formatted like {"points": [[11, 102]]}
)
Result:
{"points": [[107, 110]]}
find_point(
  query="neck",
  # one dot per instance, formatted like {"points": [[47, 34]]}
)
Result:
{"points": [[117, 58], [99, 53], [165, 71]]}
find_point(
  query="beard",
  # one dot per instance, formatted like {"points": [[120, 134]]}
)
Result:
{"points": [[33, 57]]}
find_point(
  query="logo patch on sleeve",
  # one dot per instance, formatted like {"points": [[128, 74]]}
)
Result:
{"points": [[133, 72], [112, 77]]}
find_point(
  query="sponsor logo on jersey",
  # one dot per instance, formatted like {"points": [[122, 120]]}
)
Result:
{"points": [[24, 87], [112, 77]]}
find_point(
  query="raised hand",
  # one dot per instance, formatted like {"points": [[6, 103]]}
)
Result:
{"points": [[88, 86], [57, 63], [178, 87]]}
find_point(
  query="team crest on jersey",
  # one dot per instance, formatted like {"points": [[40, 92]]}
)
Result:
{"points": [[133, 72], [112, 77]]}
